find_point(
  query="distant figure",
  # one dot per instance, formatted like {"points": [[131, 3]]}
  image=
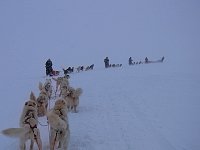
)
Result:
{"points": [[162, 59], [130, 61], [146, 60], [49, 68], [65, 72], [106, 61], [70, 69]]}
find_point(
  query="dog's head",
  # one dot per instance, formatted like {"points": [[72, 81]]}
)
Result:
{"points": [[77, 92], [30, 104], [60, 104], [48, 80], [74, 93], [66, 76], [47, 87], [43, 92], [70, 91]]}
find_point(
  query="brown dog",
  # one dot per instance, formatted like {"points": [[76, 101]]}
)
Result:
{"points": [[42, 101], [28, 126], [71, 96], [59, 127]]}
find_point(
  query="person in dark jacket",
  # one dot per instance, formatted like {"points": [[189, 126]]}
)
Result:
{"points": [[106, 61], [130, 61], [146, 60], [49, 68], [162, 59]]}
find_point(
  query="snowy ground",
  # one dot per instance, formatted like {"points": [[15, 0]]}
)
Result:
{"points": [[134, 107]]}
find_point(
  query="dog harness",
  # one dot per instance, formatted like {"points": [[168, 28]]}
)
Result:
{"points": [[28, 116], [59, 132], [60, 113], [47, 86]]}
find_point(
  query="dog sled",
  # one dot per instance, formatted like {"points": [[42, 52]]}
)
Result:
{"points": [[54, 73], [154, 61]]}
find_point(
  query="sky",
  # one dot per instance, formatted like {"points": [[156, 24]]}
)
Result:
{"points": [[115, 28]]}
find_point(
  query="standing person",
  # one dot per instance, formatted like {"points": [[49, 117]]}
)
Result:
{"points": [[162, 59], [106, 61], [49, 68], [146, 60], [130, 61]]}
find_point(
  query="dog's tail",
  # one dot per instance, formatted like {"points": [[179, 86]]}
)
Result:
{"points": [[15, 132], [40, 86], [78, 92]]}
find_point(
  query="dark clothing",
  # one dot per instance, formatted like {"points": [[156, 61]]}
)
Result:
{"points": [[49, 68], [146, 60], [162, 59], [65, 71], [130, 61], [106, 61]]}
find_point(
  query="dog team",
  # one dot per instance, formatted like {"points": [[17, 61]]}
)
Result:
{"points": [[51, 72], [78, 69], [57, 118]]}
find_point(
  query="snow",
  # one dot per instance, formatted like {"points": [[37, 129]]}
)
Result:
{"points": [[142, 107]]}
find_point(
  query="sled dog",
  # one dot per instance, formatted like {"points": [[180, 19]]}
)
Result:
{"points": [[28, 126], [80, 68], [42, 101], [72, 98], [89, 67], [60, 81], [47, 87], [59, 127]]}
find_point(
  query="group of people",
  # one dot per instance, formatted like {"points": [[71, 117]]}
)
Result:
{"points": [[49, 68], [49, 64], [130, 61]]}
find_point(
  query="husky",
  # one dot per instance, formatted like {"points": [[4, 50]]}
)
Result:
{"points": [[47, 87], [80, 68], [60, 81], [89, 67], [72, 98], [28, 129], [42, 101], [59, 127]]}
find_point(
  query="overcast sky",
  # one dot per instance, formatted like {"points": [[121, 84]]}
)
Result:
{"points": [[89, 30]]}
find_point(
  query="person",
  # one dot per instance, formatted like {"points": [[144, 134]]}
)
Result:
{"points": [[49, 68], [130, 61], [106, 61], [146, 60], [162, 59]]}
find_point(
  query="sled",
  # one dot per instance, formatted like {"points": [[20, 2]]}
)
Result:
{"points": [[55, 73]]}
